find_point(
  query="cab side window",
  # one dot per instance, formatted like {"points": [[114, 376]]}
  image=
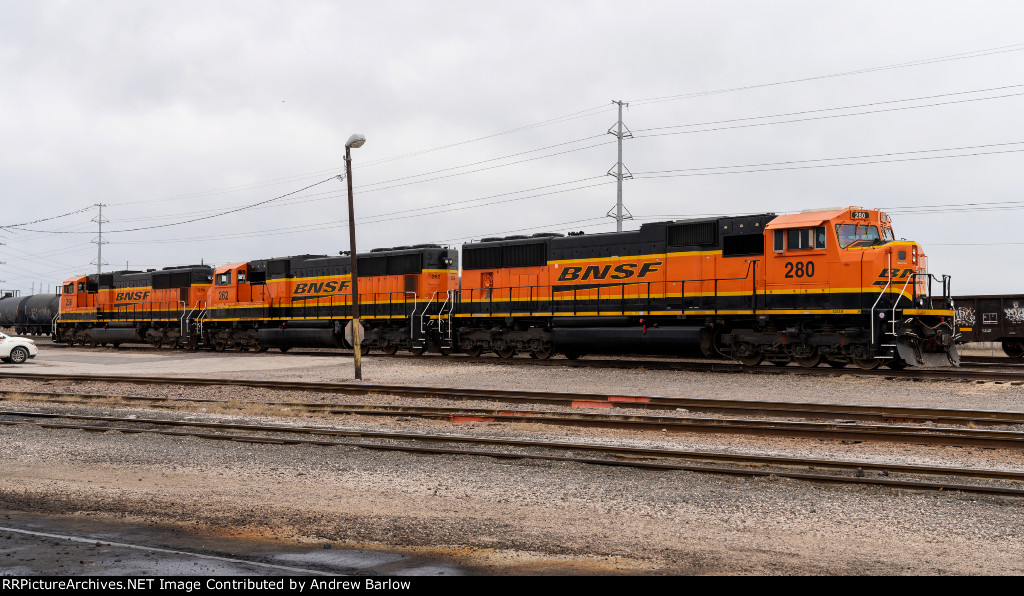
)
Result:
{"points": [[800, 239], [224, 279]]}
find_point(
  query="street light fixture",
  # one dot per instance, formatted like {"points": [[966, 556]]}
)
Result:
{"points": [[356, 141]]}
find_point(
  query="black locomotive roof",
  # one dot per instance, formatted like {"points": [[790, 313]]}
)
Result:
{"points": [[390, 261], [710, 233], [169, 277]]}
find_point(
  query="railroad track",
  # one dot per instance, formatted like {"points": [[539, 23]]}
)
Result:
{"points": [[849, 472], [566, 399], [982, 370], [841, 428]]}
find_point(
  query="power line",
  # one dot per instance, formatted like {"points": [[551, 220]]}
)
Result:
{"points": [[243, 208], [777, 163], [256, 185], [47, 218], [645, 177], [595, 110], [931, 105], [962, 56], [850, 107]]}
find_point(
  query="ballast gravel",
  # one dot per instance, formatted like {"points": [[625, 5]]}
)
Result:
{"points": [[512, 516]]}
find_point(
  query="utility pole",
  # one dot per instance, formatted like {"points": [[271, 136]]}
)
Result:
{"points": [[99, 242], [616, 130]]}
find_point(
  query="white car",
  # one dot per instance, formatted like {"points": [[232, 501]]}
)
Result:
{"points": [[17, 349]]}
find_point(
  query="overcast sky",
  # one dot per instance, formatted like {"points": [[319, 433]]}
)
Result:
{"points": [[488, 119]]}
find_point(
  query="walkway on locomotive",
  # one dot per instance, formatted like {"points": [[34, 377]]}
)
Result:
{"points": [[820, 262]]}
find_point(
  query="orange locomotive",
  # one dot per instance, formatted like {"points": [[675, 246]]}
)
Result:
{"points": [[830, 285], [293, 301], [820, 286], [130, 306], [306, 301]]}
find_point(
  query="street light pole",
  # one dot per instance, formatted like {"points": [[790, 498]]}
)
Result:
{"points": [[356, 141]]}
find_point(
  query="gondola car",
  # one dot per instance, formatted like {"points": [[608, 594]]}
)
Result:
{"points": [[992, 318]]}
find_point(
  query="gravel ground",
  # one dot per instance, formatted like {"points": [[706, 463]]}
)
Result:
{"points": [[513, 517]]}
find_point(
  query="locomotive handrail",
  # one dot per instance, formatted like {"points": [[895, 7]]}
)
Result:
{"points": [[880, 294], [188, 316], [903, 292], [946, 290], [181, 319], [412, 315], [449, 295], [623, 296], [426, 307]]}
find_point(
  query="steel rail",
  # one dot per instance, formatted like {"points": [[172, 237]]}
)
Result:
{"points": [[1007, 374], [843, 431], [624, 456], [575, 400]]}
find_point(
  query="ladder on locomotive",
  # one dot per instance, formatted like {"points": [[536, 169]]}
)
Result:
{"points": [[190, 326], [892, 333], [442, 323]]}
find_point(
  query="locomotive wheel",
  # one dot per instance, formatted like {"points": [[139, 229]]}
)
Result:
{"points": [[390, 349], [506, 352], [284, 349], [418, 351], [542, 354], [219, 346], [751, 359], [809, 361], [444, 351], [897, 363], [475, 351], [867, 363]]}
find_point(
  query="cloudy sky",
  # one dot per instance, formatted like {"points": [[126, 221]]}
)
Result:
{"points": [[212, 130]]}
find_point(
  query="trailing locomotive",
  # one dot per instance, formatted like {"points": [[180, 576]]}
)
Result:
{"points": [[285, 302], [28, 315], [821, 286]]}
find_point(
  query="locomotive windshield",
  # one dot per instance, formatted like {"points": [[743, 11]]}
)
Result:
{"points": [[852, 235]]}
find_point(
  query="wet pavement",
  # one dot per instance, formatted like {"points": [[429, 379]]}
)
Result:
{"points": [[32, 545]]}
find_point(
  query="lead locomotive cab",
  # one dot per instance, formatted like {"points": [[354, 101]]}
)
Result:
{"points": [[840, 288]]}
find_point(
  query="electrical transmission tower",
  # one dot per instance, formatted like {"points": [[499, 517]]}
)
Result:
{"points": [[99, 241], [616, 170]]}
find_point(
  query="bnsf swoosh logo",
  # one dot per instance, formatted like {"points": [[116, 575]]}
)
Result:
{"points": [[324, 287], [619, 272], [121, 296], [894, 274]]}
